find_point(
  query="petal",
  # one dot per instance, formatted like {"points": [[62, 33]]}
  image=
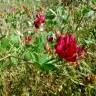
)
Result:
{"points": [[36, 23], [66, 39], [71, 59], [42, 18], [60, 38], [70, 51], [58, 49]]}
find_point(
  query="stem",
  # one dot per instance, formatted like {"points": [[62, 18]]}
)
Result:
{"points": [[5, 57], [79, 22]]}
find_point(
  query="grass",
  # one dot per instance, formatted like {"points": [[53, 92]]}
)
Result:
{"points": [[33, 70]]}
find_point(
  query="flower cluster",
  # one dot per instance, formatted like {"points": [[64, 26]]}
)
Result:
{"points": [[27, 39], [67, 48], [40, 19]]}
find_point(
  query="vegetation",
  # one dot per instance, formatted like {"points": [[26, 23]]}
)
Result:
{"points": [[47, 47]]}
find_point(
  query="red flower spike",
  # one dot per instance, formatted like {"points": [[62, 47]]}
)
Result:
{"points": [[40, 19], [67, 49]]}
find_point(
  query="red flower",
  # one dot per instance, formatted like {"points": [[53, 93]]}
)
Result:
{"points": [[28, 39], [66, 47], [40, 19]]}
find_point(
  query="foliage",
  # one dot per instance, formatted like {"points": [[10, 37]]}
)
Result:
{"points": [[29, 65]]}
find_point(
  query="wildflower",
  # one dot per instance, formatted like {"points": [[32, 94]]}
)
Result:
{"points": [[50, 38], [66, 48], [39, 20], [27, 39], [12, 10]]}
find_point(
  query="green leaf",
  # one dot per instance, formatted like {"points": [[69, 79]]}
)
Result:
{"points": [[27, 55], [5, 43], [85, 9], [50, 14], [48, 67], [89, 41], [94, 1], [14, 61], [44, 64], [43, 58], [15, 39], [39, 43]]}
